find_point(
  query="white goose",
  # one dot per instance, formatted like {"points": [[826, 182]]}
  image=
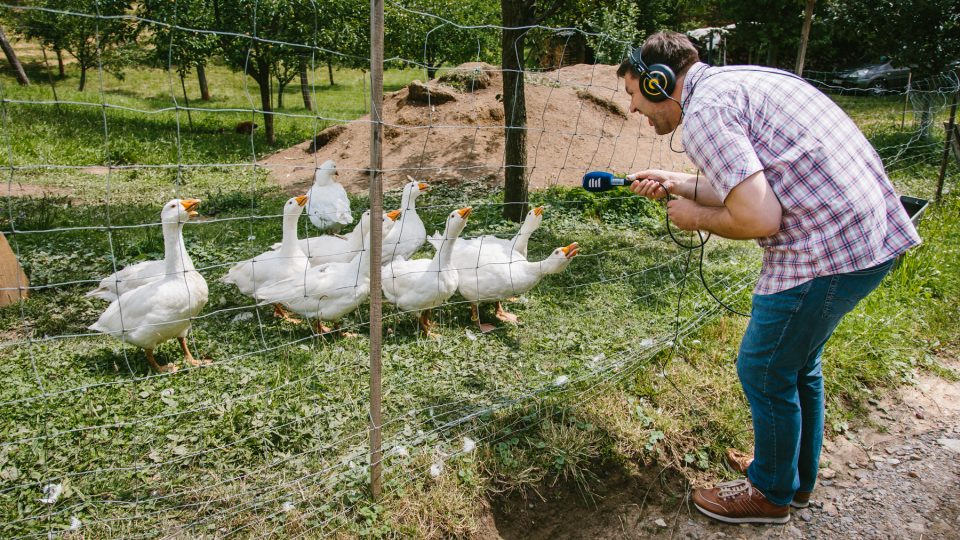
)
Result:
{"points": [[496, 273], [329, 205], [423, 284], [162, 309], [274, 265], [328, 292], [331, 248], [133, 276], [517, 244], [408, 234]]}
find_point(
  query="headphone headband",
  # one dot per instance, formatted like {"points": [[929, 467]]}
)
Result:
{"points": [[657, 82]]}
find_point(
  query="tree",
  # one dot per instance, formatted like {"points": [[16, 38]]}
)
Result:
{"points": [[766, 25], [617, 26], [182, 50], [518, 16], [921, 34], [91, 39], [245, 47], [804, 36], [12, 58], [434, 42]]}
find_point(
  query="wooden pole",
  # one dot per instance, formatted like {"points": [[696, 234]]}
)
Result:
{"points": [[13, 281], [906, 100], [376, 243], [946, 147]]}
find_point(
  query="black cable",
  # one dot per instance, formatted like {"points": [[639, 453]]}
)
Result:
{"points": [[702, 247]]}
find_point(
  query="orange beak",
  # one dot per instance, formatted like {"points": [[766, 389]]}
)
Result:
{"points": [[190, 205], [571, 251], [538, 211], [423, 186], [465, 212], [302, 200], [394, 215]]}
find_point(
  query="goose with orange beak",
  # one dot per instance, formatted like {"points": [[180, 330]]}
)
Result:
{"points": [[331, 248], [163, 308], [518, 243], [137, 275], [275, 265], [327, 292], [423, 284], [408, 234], [492, 275]]}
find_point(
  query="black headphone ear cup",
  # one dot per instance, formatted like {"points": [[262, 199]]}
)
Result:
{"points": [[658, 83]]}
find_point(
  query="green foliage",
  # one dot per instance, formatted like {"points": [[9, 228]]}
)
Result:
{"points": [[617, 24], [92, 39], [180, 49], [432, 42]]}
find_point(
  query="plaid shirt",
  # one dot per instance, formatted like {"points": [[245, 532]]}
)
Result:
{"points": [[840, 212]]}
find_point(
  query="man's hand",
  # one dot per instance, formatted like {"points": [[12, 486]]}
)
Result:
{"points": [[652, 182], [684, 213]]}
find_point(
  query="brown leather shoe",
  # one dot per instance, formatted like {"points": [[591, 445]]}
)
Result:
{"points": [[739, 502], [740, 461], [801, 499]]}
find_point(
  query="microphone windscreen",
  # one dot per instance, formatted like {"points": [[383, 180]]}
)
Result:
{"points": [[602, 181]]}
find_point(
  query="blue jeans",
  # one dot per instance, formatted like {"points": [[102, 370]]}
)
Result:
{"points": [[779, 368]]}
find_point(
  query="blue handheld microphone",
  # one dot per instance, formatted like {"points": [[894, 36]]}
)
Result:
{"points": [[603, 181]]}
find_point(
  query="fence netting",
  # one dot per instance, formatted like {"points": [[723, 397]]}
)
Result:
{"points": [[267, 434]]}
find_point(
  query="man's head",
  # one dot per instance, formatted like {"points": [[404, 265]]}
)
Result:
{"points": [[676, 52]]}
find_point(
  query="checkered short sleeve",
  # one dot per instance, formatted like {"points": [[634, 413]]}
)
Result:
{"points": [[717, 135]]}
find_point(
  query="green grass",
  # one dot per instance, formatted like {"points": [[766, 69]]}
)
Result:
{"points": [[281, 414], [149, 135]]}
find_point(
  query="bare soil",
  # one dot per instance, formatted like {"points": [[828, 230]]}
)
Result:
{"points": [[895, 476], [576, 116]]}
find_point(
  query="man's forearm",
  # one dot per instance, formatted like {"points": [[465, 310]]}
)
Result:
{"points": [[719, 221], [697, 190]]}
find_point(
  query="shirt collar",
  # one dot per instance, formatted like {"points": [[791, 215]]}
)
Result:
{"points": [[693, 75]]}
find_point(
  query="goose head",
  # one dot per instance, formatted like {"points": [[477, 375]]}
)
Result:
{"points": [[411, 191], [456, 222], [294, 207], [179, 211], [326, 172], [560, 259], [533, 220]]}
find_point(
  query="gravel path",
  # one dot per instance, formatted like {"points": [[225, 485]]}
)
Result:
{"points": [[897, 476]]}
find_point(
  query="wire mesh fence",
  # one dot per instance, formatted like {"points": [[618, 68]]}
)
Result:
{"points": [[262, 431]]}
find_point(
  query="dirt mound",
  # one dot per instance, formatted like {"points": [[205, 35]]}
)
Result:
{"points": [[576, 117]]}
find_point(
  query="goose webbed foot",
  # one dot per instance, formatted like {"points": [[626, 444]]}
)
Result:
{"points": [[166, 368], [506, 316]]}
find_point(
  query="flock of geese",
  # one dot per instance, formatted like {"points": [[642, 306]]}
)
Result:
{"points": [[325, 277]]}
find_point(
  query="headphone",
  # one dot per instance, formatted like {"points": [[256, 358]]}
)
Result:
{"points": [[657, 82]]}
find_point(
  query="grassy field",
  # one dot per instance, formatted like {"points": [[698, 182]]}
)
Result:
{"points": [[270, 439]]}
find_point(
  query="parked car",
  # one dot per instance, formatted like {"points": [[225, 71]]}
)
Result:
{"points": [[875, 77]]}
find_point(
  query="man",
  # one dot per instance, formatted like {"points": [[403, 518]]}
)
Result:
{"points": [[782, 164]]}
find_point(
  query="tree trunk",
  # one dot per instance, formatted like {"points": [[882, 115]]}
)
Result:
{"points": [[12, 58], [202, 79], [514, 110], [432, 71], [264, 79], [186, 100], [280, 86], [804, 36], [304, 84], [330, 70], [62, 72], [83, 77]]}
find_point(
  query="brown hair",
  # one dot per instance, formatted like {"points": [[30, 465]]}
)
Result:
{"points": [[671, 48]]}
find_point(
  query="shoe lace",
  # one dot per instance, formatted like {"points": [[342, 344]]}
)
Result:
{"points": [[735, 488]]}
